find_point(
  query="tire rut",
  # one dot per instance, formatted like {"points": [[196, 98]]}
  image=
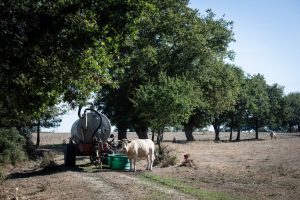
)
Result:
{"points": [[118, 185]]}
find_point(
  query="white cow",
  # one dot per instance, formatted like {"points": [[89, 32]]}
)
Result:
{"points": [[139, 148], [273, 135]]}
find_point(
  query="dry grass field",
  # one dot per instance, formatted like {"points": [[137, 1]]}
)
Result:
{"points": [[249, 169]]}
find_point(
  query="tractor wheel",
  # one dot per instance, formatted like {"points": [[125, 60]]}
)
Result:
{"points": [[70, 155]]}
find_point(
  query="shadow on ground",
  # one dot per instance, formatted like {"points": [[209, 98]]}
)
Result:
{"points": [[54, 169], [52, 147], [223, 141]]}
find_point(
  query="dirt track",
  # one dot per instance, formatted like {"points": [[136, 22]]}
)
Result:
{"points": [[262, 169]]}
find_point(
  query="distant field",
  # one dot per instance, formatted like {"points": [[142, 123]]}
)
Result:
{"points": [[47, 138]]}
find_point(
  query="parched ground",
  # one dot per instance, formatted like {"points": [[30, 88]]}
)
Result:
{"points": [[250, 169]]}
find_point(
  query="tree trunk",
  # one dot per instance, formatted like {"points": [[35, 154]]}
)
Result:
{"points": [[142, 132], [217, 129], [122, 131], [230, 136], [256, 129], [153, 135], [38, 134], [238, 135], [160, 137], [231, 127], [188, 129], [290, 128]]}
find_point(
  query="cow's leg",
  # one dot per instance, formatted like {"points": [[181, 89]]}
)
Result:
{"points": [[134, 163], [151, 161], [130, 161], [148, 162]]}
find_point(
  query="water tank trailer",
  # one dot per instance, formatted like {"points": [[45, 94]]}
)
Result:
{"points": [[89, 137]]}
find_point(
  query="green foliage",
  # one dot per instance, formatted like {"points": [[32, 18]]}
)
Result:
{"points": [[11, 146], [276, 114], [171, 38], [236, 117], [221, 87], [258, 106], [170, 102], [292, 109], [57, 51]]}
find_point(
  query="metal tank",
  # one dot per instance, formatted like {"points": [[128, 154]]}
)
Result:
{"points": [[89, 137], [91, 125]]}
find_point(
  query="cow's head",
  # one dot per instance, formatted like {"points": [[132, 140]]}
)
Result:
{"points": [[125, 143]]}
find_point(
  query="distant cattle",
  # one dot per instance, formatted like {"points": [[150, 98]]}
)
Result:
{"points": [[273, 135]]}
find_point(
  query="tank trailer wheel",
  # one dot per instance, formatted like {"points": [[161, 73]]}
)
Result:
{"points": [[70, 155]]}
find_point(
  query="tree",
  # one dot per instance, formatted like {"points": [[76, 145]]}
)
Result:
{"points": [[141, 61], [170, 102], [292, 110], [258, 102], [171, 38], [203, 58], [236, 117], [222, 93], [57, 51], [276, 114], [50, 118]]}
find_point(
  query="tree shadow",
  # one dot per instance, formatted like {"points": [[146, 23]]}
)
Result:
{"points": [[52, 147], [208, 140], [54, 169], [293, 134], [177, 141], [248, 140]]}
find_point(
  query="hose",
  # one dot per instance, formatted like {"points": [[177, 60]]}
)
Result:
{"points": [[80, 107], [100, 124]]}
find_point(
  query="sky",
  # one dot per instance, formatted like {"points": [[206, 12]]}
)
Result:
{"points": [[267, 34]]}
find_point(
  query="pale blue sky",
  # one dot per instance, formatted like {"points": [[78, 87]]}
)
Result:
{"points": [[267, 34]]}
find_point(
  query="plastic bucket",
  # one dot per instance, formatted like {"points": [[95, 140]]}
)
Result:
{"points": [[118, 162]]}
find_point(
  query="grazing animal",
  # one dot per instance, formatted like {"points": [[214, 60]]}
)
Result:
{"points": [[273, 135], [139, 148]]}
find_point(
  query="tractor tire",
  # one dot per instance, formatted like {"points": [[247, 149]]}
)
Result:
{"points": [[70, 155]]}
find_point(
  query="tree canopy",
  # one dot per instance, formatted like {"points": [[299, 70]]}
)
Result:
{"points": [[136, 57], [57, 51], [171, 38]]}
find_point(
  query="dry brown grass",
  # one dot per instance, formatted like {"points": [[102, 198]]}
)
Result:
{"points": [[256, 169]]}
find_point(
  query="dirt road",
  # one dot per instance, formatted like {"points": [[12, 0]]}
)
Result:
{"points": [[83, 182]]}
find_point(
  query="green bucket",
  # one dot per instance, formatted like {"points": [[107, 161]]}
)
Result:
{"points": [[118, 162]]}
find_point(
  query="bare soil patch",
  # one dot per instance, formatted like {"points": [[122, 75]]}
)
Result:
{"points": [[254, 169]]}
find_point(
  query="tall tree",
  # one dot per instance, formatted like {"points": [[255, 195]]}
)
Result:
{"points": [[171, 38], [170, 102], [258, 102], [204, 55], [276, 114], [236, 116], [292, 110], [143, 57], [222, 89]]}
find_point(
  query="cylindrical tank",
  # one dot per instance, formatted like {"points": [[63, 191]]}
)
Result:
{"points": [[84, 129]]}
